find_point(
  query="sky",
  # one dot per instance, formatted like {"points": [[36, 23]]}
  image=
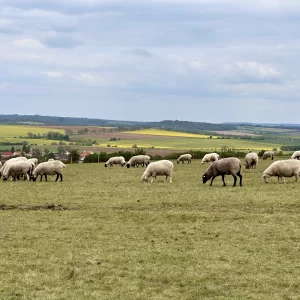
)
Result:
{"points": [[194, 60]]}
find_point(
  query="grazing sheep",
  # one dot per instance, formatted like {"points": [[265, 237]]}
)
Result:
{"points": [[17, 168], [282, 168], [35, 160], [210, 157], [49, 168], [268, 154], [10, 161], [51, 159], [251, 160], [158, 168], [182, 158], [137, 160], [226, 166], [296, 155], [117, 160]]}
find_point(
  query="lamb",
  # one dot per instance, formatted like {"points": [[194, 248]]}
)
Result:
{"points": [[296, 155], [138, 159], [210, 157], [182, 158], [158, 168], [117, 160], [268, 154], [49, 168], [251, 160], [226, 166], [17, 168], [282, 168]]}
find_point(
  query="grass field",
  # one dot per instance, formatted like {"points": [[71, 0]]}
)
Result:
{"points": [[11, 131], [119, 238]]}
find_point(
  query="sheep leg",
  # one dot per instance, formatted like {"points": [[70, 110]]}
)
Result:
{"points": [[170, 179], [234, 177], [46, 177], [241, 178], [223, 179], [41, 177], [212, 180], [57, 175]]}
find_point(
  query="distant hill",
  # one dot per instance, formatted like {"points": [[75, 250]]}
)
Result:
{"points": [[175, 125]]}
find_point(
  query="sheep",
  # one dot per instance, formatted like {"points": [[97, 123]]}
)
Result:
{"points": [[182, 158], [11, 160], [51, 159], [282, 168], [115, 161], [268, 154], [226, 166], [251, 160], [48, 168], [210, 157], [35, 160], [158, 168], [296, 155], [138, 159], [17, 168]]}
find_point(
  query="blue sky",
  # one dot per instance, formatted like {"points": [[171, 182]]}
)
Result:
{"points": [[205, 60]]}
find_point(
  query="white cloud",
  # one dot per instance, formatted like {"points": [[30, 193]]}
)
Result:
{"points": [[28, 43], [52, 74]]}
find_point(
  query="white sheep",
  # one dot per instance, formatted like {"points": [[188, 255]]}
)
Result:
{"points": [[17, 168], [210, 157], [184, 157], [49, 168], [268, 154], [251, 160], [11, 160], [282, 168], [117, 160], [35, 160], [158, 168], [226, 166], [296, 155], [138, 160]]}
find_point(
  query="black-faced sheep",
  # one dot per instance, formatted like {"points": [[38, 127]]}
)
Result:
{"points": [[184, 157], [296, 155], [138, 160], [158, 168], [48, 168], [268, 154], [281, 169], [117, 160], [226, 166]]}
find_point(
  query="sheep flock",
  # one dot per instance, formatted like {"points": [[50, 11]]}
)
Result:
{"points": [[21, 168]]}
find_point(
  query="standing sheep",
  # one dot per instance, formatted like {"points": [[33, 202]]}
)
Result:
{"points": [[210, 157], [226, 166], [117, 160], [158, 168], [251, 160], [282, 168], [296, 155], [182, 158], [49, 168], [268, 154], [17, 168], [138, 159]]}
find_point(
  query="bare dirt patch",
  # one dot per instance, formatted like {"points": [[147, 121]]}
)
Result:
{"points": [[34, 207], [235, 133]]}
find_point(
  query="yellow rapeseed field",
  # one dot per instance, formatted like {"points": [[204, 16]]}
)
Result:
{"points": [[153, 131]]}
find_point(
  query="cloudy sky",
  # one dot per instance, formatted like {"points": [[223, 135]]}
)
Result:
{"points": [[197, 60]]}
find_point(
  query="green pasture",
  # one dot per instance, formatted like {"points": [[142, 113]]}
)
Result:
{"points": [[191, 143], [16, 131], [103, 234]]}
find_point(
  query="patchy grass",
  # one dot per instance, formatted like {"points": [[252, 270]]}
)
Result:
{"points": [[119, 238]]}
